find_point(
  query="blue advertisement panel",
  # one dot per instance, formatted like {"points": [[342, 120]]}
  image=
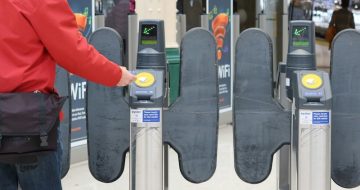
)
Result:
{"points": [[83, 11], [220, 16]]}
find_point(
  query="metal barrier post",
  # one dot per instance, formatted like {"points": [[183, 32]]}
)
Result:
{"points": [[133, 38], [146, 109], [311, 131]]}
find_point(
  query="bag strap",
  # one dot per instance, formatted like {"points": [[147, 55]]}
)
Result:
{"points": [[42, 117]]}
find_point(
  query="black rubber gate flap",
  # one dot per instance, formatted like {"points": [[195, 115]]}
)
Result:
{"points": [[191, 123], [108, 115], [62, 85], [261, 126], [345, 80]]}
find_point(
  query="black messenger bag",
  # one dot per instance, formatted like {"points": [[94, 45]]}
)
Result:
{"points": [[28, 124]]}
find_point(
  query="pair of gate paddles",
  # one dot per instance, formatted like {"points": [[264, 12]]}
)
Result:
{"points": [[147, 79]]}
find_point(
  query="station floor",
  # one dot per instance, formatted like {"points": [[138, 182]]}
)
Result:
{"points": [[225, 178], [322, 55]]}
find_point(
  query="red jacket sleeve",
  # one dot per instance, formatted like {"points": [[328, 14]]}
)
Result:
{"points": [[56, 27]]}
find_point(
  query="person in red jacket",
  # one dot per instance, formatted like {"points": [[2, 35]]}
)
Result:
{"points": [[34, 36]]}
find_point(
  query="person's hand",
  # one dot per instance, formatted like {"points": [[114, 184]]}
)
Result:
{"points": [[126, 77]]}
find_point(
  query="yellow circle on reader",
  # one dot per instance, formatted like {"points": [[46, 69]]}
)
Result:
{"points": [[144, 79], [311, 81]]}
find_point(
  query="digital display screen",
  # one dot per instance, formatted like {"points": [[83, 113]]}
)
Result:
{"points": [[300, 36], [149, 34]]}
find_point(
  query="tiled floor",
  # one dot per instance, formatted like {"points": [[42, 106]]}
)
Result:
{"points": [[79, 177], [322, 54], [224, 178]]}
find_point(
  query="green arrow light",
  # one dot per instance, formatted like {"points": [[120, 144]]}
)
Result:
{"points": [[299, 32], [148, 30]]}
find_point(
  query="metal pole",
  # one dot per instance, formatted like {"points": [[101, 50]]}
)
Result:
{"points": [[166, 167], [314, 159], [133, 41], [284, 153], [146, 158], [284, 101], [285, 30], [284, 168], [181, 27], [99, 21], [236, 28], [293, 160], [99, 15], [205, 21], [310, 169]]}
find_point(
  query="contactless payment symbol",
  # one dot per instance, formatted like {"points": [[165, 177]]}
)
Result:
{"points": [[144, 79], [311, 81]]}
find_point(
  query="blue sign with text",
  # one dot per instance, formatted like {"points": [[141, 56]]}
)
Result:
{"points": [[151, 116], [321, 117]]}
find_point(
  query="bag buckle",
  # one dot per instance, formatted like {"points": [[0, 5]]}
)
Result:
{"points": [[44, 140]]}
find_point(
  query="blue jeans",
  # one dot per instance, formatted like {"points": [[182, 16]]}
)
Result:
{"points": [[45, 174]]}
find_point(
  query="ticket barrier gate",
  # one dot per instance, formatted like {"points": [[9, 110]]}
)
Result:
{"points": [[345, 171], [257, 137], [189, 125], [261, 126]]}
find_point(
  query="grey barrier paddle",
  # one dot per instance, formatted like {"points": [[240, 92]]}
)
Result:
{"points": [[191, 123], [345, 77], [261, 126], [107, 115]]}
